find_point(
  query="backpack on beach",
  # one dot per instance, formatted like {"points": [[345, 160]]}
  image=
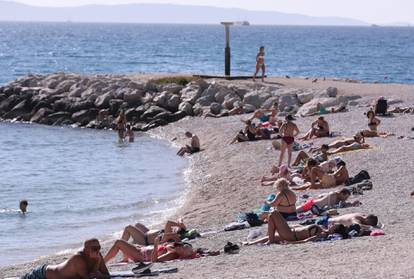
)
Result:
{"points": [[361, 176], [381, 106]]}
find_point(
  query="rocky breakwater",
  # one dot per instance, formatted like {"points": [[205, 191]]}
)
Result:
{"points": [[96, 101]]}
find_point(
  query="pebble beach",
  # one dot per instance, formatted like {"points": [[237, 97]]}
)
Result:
{"points": [[224, 180]]}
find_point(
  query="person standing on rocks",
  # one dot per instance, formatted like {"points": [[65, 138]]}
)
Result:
{"points": [[260, 63], [194, 146], [288, 131]]}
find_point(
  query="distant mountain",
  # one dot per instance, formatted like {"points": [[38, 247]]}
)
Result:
{"points": [[159, 13]]}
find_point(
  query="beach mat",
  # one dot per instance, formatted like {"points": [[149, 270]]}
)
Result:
{"points": [[130, 274]]}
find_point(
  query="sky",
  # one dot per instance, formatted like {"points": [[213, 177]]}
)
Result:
{"points": [[372, 11]]}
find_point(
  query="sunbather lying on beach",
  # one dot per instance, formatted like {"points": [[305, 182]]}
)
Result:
{"points": [[358, 138], [285, 200], [278, 231], [267, 115], [402, 110], [321, 110], [159, 253], [234, 111], [87, 263], [194, 146], [319, 129], [142, 235], [373, 123], [364, 220], [320, 179], [322, 156], [327, 201], [351, 147], [252, 132]]}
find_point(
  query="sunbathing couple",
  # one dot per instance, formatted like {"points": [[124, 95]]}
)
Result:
{"points": [[167, 243], [279, 231], [344, 145], [194, 146], [321, 179]]}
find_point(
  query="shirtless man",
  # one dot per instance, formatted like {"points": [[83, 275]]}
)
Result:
{"points": [[194, 146], [364, 220], [325, 180], [328, 200], [86, 264], [322, 156], [288, 131], [319, 129]]}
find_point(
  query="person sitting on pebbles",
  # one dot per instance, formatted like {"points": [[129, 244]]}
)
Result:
{"points": [[278, 232], [322, 180], [319, 129], [87, 263], [194, 146], [373, 123], [327, 201], [320, 157]]}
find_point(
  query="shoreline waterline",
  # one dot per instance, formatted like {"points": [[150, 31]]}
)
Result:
{"points": [[160, 208]]}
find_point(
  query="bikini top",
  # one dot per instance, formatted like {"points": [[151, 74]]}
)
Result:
{"points": [[287, 199]]}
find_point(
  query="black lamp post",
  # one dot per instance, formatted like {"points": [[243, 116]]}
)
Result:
{"points": [[227, 52]]}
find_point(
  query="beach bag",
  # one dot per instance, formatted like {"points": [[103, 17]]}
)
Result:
{"points": [[361, 176], [253, 219], [381, 106]]}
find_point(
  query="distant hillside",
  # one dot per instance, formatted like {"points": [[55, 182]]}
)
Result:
{"points": [[159, 13]]}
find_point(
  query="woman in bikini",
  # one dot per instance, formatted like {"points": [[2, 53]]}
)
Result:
{"points": [[159, 253], [121, 126], [260, 63], [285, 201], [249, 134], [373, 123], [278, 231], [143, 236], [288, 131]]}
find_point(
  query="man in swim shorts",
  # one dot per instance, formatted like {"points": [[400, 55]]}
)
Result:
{"points": [[364, 220], [319, 129], [87, 263], [194, 146]]}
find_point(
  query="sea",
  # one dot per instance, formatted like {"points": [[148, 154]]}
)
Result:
{"points": [[81, 183], [373, 54]]}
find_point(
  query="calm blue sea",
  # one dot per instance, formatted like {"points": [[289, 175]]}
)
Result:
{"points": [[384, 54], [79, 183]]}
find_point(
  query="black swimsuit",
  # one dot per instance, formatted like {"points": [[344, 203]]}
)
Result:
{"points": [[287, 215]]}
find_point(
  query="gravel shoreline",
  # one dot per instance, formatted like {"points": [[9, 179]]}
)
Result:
{"points": [[224, 181]]}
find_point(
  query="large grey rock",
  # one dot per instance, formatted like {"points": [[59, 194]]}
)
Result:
{"points": [[134, 98], [58, 117], [40, 114], [115, 105], [268, 104], [256, 98], [103, 100], [80, 105], [64, 86], [186, 107], [205, 101], [7, 104], [152, 111], [76, 91], [18, 110], [171, 88], [305, 97], [162, 99], [173, 103], [215, 108], [311, 107], [191, 93], [288, 100], [198, 110], [247, 108], [85, 116]]}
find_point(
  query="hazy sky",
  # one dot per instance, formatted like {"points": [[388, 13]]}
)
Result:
{"points": [[373, 11]]}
